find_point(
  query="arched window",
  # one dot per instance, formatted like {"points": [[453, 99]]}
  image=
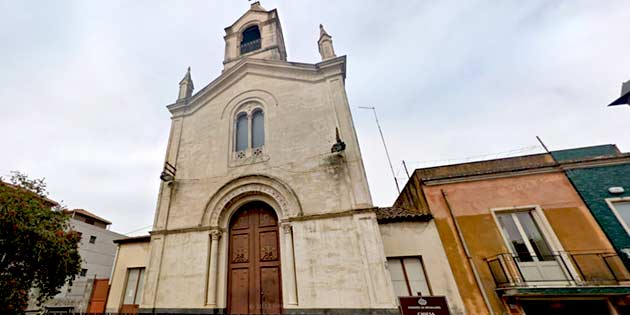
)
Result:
{"points": [[258, 129], [251, 39], [241, 133]]}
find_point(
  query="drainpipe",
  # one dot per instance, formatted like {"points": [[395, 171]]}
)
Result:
{"points": [[460, 236]]}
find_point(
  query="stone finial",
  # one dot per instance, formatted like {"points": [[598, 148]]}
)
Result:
{"points": [[186, 87], [322, 31], [325, 44]]}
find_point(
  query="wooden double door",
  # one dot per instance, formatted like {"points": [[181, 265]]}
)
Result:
{"points": [[254, 278]]}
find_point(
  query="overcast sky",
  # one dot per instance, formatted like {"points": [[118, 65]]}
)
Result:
{"points": [[84, 84]]}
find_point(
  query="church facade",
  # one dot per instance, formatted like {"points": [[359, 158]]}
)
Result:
{"points": [[265, 207]]}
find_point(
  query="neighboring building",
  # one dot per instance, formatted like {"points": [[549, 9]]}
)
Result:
{"points": [[129, 272], [97, 252], [269, 210], [416, 260], [519, 239], [601, 175]]}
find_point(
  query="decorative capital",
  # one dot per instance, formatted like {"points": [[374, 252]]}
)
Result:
{"points": [[215, 234], [287, 228]]}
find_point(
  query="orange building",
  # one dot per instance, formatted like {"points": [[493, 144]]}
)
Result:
{"points": [[519, 239]]}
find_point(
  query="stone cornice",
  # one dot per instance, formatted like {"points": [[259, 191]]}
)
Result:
{"points": [[503, 174], [343, 213], [263, 67]]}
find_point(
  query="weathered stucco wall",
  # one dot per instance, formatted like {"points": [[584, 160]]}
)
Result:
{"points": [[130, 255], [296, 174], [300, 130], [422, 239], [471, 203]]}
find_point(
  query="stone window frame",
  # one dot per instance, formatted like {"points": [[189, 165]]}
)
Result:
{"points": [[610, 202], [250, 155]]}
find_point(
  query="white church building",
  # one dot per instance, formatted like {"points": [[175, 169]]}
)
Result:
{"points": [[265, 206]]}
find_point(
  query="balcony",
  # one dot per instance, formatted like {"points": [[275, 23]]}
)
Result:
{"points": [[250, 46], [564, 269]]}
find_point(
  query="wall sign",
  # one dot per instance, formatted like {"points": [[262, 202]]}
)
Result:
{"points": [[423, 305]]}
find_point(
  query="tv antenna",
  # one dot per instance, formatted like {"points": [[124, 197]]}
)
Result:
{"points": [[389, 160]]}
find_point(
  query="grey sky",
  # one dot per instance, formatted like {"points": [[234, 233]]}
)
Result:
{"points": [[84, 83]]}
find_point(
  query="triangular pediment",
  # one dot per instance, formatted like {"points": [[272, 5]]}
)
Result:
{"points": [[265, 68]]}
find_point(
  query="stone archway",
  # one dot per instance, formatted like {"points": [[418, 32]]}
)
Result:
{"points": [[225, 201], [225, 205]]}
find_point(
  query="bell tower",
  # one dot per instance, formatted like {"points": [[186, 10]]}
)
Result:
{"points": [[256, 34]]}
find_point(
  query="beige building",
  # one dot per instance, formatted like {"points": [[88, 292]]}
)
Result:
{"points": [[265, 206]]}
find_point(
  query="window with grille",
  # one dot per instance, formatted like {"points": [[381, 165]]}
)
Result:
{"points": [[250, 40]]}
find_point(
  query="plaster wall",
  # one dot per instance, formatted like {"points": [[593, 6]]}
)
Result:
{"points": [[471, 203], [422, 239], [130, 255], [300, 122], [339, 263]]}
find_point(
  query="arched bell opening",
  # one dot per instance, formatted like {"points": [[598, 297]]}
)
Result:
{"points": [[250, 40]]}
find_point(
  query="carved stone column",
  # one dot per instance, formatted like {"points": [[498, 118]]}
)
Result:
{"points": [[212, 269], [290, 261]]}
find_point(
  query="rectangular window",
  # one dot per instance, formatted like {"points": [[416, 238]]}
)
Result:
{"points": [[408, 276], [621, 209], [524, 236], [92, 239], [134, 286], [83, 272]]}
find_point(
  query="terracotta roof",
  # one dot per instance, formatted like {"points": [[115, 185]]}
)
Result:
{"points": [[87, 214], [396, 214], [134, 239]]}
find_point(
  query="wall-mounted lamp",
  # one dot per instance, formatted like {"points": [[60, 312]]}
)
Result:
{"points": [[339, 145], [168, 173]]}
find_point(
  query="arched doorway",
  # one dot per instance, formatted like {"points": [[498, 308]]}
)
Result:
{"points": [[254, 276]]}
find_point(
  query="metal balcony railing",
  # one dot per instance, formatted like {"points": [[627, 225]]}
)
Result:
{"points": [[250, 46], [559, 269]]}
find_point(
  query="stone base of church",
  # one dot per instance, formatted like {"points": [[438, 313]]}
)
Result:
{"points": [[291, 311], [183, 311], [341, 311]]}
